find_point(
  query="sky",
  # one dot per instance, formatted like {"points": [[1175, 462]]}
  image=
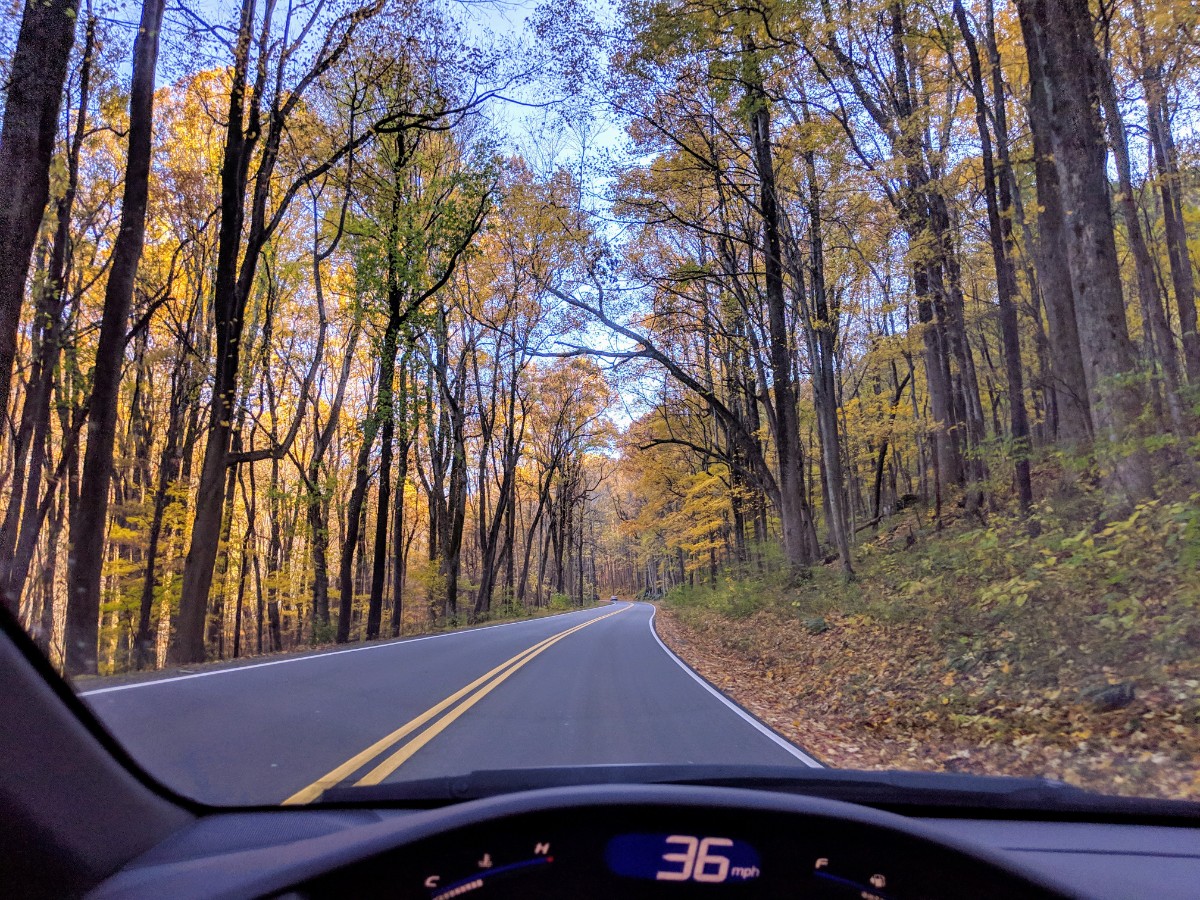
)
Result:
{"points": [[540, 135]]}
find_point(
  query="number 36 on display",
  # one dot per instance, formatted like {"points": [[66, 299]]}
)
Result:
{"points": [[697, 859]]}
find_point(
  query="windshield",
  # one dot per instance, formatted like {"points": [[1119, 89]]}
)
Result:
{"points": [[398, 390]]}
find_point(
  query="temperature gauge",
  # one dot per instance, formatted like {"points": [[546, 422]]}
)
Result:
{"points": [[487, 869]]}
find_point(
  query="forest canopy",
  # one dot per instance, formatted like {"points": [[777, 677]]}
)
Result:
{"points": [[331, 320]]}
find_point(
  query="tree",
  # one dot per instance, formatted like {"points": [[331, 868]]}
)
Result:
{"points": [[34, 94], [1064, 59], [88, 522], [999, 209], [260, 112]]}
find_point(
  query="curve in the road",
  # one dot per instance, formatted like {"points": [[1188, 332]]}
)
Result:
{"points": [[750, 720], [482, 686], [558, 692]]}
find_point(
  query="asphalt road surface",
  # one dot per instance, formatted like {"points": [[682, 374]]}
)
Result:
{"points": [[595, 686]]}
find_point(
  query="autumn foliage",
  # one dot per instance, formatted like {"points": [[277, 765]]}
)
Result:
{"points": [[889, 303]]}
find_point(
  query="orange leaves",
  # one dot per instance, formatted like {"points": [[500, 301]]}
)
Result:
{"points": [[865, 694]]}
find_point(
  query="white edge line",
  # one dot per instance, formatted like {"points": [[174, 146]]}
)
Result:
{"points": [[317, 655], [760, 726]]}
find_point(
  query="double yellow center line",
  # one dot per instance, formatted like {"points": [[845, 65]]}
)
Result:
{"points": [[457, 704]]}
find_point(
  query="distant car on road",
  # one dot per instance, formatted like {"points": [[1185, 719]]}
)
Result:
{"points": [[612, 599]]}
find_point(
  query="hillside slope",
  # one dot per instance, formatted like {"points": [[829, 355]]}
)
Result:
{"points": [[1065, 650]]}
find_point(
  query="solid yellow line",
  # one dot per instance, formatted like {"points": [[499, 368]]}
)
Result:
{"points": [[401, 756], [359, 760], [314, 790]]}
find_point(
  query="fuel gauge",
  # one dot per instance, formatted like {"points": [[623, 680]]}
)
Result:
{"points": [[871, 887]]}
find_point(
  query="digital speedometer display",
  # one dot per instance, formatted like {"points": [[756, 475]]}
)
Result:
{"points": [[697, 859]]}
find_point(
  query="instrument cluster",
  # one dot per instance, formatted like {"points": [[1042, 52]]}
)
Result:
{"points": [[639, 851]]}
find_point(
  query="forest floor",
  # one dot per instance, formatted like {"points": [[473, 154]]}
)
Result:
{"points": [[85, 683], [1068, 650]]}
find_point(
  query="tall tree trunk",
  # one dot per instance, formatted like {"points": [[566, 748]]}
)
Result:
{"points": [[1163, 343], [230, 296], [824, 332], [34, 90], [216, 615], [492, 527], [457, 509], [1074, 406], [383, 503], [799, 542], [48, 327], [43, 631], [275, 557], [243, 569], [168, 474], [491, 541], [89, 520], [1063, 55], [317, 493], [317, 511], [384, 412], [397, 287], [1006, 282], [1166, 161], [542, 499], [919, 225], [403, 446], [354, 511], [510, 549], [252, 533], [948, 301]]}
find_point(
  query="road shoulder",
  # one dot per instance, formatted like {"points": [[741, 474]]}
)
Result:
{"points": [[89, 683]]}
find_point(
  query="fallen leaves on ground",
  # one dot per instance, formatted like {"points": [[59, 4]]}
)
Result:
{"points": [[861, 695]]}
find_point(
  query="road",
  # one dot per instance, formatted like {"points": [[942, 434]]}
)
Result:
{"points": [[594, 686]]}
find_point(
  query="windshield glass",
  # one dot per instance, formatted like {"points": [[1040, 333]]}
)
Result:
{"points": [[400, 389]]}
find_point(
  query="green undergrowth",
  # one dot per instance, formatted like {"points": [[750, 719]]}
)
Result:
{"points": [[1122, 593], [1074, 629]]}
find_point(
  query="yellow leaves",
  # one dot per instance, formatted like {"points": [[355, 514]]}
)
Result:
{"points": [[915, 671]]}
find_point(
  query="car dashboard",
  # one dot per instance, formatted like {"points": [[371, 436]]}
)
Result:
{"points": [[657, 841]]}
